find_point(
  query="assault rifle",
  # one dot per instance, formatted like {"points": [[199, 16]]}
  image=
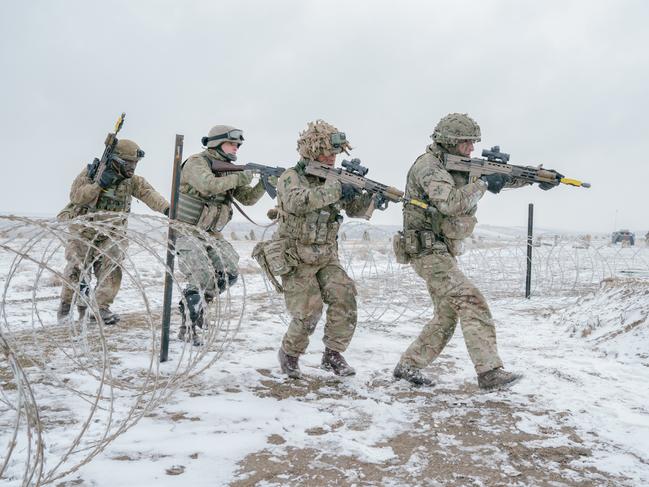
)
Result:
{"points": [[264, 172], [497, 162], [353, 173], [98, 166]]}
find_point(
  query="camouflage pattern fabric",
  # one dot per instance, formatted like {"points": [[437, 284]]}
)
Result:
{"points": [[103, 252], [305, 291], [454, 296], [309, 219], [198, 180], [200, 260]]}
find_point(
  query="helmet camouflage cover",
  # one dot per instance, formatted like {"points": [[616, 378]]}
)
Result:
{"points": [[222, 133], [128, 150], [454, 128], [321, 138]]}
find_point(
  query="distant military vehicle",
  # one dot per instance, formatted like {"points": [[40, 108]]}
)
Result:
{"points": [[623, 236]]}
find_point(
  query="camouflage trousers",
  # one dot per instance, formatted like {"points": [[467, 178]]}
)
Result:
{"points": [[454, 298], [201, 261], [306, 288], [101, 254]]}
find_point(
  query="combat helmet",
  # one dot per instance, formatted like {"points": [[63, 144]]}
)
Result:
{"points": [[321, 138], [128, 150], [454, 128], [223, 133]]}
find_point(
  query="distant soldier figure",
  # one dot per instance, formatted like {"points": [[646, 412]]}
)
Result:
{"points": [[102, 250], [205, 200], [253, 237], [309, 219], [646, 238], [434, 239], [366, 236]]}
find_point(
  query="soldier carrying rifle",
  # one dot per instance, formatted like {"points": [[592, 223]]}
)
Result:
{"points": [[304, 250], [432, 239], [106, 187]]}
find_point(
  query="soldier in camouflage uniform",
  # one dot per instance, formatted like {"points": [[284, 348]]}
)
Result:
{"points": [[433, 239], [205, 200], [103, 250], [309, 218]]}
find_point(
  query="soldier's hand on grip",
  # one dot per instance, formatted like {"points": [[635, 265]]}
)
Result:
{"points": [[109, 177], [495, 182], [349, 191]]}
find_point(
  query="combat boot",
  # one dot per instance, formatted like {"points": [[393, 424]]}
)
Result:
{"points": [[106, 315], [188, 332], [289, 364], [412, 375], [63, 312], [334, 361], [497, 378]]}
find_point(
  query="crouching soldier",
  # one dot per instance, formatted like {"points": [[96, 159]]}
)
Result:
{"points": [[205, 201], [101, 248], [304, 252]]}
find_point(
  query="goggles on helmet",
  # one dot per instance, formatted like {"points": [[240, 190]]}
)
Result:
{"points": [[338, 141], [235, 135]]}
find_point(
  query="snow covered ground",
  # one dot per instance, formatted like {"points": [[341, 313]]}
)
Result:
{"points": [[580, 416]]}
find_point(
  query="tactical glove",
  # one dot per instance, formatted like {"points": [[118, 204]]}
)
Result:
{"points": [[349, 191], [109, 177], [495, 182], [165, 212], [546, 186], [244, 178]]}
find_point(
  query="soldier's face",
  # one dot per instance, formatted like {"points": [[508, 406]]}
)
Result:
{"points": [[465, 148], [329, 160], [230, 147]]}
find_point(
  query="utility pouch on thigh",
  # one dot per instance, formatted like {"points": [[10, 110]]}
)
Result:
{"points": [[458, 227], [266, 253], [412, 245], [208, 217], [399, 248]]}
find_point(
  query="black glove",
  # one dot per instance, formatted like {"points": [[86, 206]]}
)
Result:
{"points": [[495, 182], [546, 186], [166, 211], [349, 191], [109, 177]]}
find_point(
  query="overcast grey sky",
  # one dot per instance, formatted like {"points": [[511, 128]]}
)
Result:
{"points": [[563, 83]]}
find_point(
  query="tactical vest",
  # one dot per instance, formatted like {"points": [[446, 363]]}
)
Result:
{"points": [[209, 214], [318, 227], [116, 198]]}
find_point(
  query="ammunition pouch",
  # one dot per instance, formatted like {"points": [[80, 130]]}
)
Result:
{"points": [[418, 241], [399, 248], [458, 227], [208, 215], [109, 200], [276, 258], [317, 229]]}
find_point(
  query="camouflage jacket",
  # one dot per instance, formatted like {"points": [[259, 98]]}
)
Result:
{"points": [[453, 200], [115, 198], [216, 191], [309, 208]]}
